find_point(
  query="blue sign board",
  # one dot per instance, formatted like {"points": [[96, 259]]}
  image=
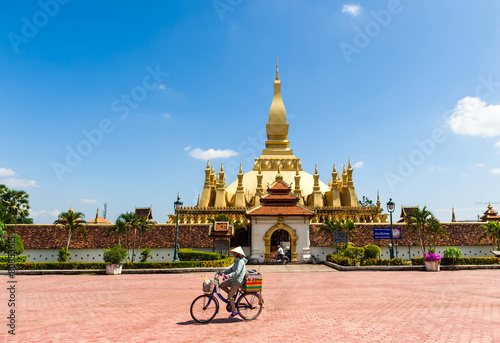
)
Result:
{"points": [[385, 233]]}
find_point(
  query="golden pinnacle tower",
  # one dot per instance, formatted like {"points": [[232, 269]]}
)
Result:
{"points": [[337, 200]]}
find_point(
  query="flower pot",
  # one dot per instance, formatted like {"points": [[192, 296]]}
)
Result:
{"points": [[114, 269], [432, 266]]}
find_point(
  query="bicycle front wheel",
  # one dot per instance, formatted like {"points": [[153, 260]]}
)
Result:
{"points": [[249, 306], [204, 309]]}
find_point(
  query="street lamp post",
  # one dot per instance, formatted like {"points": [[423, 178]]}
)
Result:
{"points": [[177, 206], [390, 208]]}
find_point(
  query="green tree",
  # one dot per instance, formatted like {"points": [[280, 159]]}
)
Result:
{"points": [[18, 245], [492, 231], [426, 226], [15, 203], [331, 226], [365, 202], [72, 222], [135, 228], [3, 233], [118, 229]]}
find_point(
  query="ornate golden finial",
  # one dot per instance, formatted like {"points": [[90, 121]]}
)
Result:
{"points": [[316, 169], [334, 170], [208, 164], [378, 198], [349, 165], [70, 210], [198, 202], [212, 167], [453, 220], [241, 169], [297, 169], [277, 72], [343, 165], [222, 167]]}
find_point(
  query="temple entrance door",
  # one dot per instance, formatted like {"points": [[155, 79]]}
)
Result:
{"points": [[271, 239], [282, 238]]}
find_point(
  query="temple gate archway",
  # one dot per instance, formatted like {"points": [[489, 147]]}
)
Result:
{"points": [[293, 239]]}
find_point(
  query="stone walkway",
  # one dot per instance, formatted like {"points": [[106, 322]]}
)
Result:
{"points": [[300, 306]]}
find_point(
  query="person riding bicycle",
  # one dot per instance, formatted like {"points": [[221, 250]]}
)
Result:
{"points": [[280, 253], [236, 274]]}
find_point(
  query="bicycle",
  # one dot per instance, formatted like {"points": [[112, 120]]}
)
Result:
{"points": [[205, 307]]}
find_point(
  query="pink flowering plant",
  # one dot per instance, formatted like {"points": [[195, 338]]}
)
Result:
{"points": [[432, 256]]}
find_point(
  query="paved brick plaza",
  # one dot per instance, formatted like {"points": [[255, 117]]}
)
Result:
{"points": [[304, 306]]}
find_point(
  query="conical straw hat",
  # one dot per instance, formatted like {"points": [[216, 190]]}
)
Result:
{"points": [[239, 251]]}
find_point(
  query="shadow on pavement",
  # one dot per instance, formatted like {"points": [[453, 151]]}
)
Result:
{"points": [[213, 321]]}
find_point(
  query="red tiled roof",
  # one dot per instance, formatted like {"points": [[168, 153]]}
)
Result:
{"points": [[280, 211], [278, 186], [144, 212]]}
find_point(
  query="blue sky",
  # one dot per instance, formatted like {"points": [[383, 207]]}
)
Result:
{"points": [[121, 101]]}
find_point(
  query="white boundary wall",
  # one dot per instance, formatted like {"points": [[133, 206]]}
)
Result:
{"points": [[403, 252]]}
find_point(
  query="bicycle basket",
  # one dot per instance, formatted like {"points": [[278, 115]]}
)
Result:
{"points": [[253, 282], [208, 286]]}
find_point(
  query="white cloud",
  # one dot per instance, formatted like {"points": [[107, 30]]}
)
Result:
{"points": [[479, 165], [44, 216], [6, 172], [89, 201], [166, 115], [19, 183], [211, 153], [465, 174], [358, 165], [351, 9], [472, 117], [161, 86], [494, 171], [187, 148], [497, 144]]}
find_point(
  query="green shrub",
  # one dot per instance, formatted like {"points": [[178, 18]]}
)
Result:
{"points": [[461, 261], [145, 254], [452, 252], [63, 255], [13, 245], [372, 251], [19, 258], [129, 265], [114, 255], [192, 255], [354, 252]]}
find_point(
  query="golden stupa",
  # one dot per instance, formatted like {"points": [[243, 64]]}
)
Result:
{"points": [[337, 200]]}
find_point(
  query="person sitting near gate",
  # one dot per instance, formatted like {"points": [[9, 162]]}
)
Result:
{"points": [[280, 253], [236, 274]]}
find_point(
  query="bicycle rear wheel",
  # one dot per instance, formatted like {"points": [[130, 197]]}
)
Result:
{"points": [[249, 306], [201, 312]]}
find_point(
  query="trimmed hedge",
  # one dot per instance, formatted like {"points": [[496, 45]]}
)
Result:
{"points": [[19, 258], [193, 255], [129, 265], [446, 261], [347, 261]]}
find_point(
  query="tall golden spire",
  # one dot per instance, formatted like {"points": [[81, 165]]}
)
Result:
{"points": [[277, 127]]}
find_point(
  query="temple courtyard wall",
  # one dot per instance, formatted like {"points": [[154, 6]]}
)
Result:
{"points": [[41, 242]]}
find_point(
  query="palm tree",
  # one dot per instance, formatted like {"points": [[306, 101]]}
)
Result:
{"points": [[434, 231], [143, 225], [72, 221], [16, 203], [5, 216], [492, 231], [331, 226], [128, 219], [424, 224], [119, 228]]}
